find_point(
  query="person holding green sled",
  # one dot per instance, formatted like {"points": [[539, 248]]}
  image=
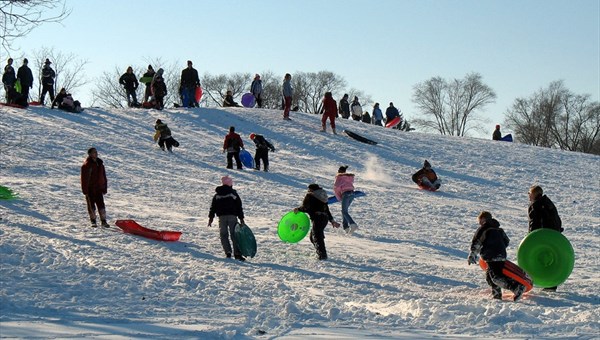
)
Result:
{"points": [[227, 205]]}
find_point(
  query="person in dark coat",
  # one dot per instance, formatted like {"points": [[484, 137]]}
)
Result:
{"points": [[25, 76], [227, 205], [94, 186], [232, 145], [366, 117], [497, 135], [315, 205], [189, 82], [9, 77], [228, 101], [163, 136], [148, 91], [256, 89], [542, 214], [262, 151], [490, 242], [426, 177], [159, 90], [344, 109], [328, 110], [59, 98], [48, 75], [129, 81], [391, 112]]}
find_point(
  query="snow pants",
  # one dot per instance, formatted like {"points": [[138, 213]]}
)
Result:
{"points": [[230, 157], [226, 231], [331, 117], [287, 107], [496, 279], [317, 235], [95, 200], [261, 154]]}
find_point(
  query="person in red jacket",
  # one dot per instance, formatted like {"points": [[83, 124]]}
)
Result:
{"points": [[232, 145], [329, 110], [93, 186]]}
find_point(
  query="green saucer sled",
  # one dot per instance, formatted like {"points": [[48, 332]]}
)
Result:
{"points": [[547, 256], [293, 227], [7, 194]]}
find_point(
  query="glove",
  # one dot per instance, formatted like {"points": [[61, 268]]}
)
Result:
{"points": [[273, 150], [210, 221], [335, 224], [242, 221], [295, 210], [472, 259]]}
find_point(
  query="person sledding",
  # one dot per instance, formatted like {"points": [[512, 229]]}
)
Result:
{"points": [[426, 178], [315, 205], [262, 151], [490, 242], [163, 136], [227, 205]]}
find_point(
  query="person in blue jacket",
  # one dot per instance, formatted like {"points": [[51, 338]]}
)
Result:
{"points": [[377, 115]]}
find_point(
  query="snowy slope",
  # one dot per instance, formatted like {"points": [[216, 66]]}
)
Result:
{"points": [[402, 275]]}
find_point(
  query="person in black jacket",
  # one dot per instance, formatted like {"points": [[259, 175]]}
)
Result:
{"points": [[227, 205], [257, 89], [497, 135], [48, 75], [344, 109], [189, 82], [490, 242], [25, 76], [129, 81], [262, 151], [542, 214], [315, 205], [9, 77], [147, 76]]}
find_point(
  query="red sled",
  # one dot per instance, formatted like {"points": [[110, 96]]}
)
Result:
{"points": [[392, 123], [132, 227], [13, 105], [514, 272]]}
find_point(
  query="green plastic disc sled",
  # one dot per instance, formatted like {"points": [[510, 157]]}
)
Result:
{"points": [[6, 193], [293, 227], [547, 256]]}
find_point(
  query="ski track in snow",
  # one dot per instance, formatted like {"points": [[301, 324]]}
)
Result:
{"points": [[403, 274]]}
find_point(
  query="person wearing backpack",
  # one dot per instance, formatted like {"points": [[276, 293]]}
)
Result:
{"points": [[232, 145], [542, 214], [48, 75]]}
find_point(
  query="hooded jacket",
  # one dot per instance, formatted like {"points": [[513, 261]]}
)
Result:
{"points": [[543, 214], [226, 201], [490, 241], [315, 205]]}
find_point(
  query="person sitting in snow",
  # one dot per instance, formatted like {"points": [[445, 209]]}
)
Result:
{"points": [[315, 205], [65, 102], [228, 101], [426, 178], [227, 205], [262, 151], [163, 136], [497, 135], [490, 241]]}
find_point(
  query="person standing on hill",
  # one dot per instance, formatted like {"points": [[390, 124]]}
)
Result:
{"points": [[427, 178], [148, 75], [189, 82], [328, 110], [9, 77], [129, 81], [159, 89], [262, 151], [377, 116], [232, 145], [25, 76], [94, 186], [391, 112], [48, 75], [257, 89], [315, 205], [344, 109], [343, 188], [490, 241], [288, 93], [497, 135], [356, 109], [227, 205]]}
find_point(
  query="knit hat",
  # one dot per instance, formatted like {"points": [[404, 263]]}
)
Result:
{"points": [[313, 187], [158, 121], [226, 180], [426, 164], [497, 126], [252, 135], [47, 62], [342, 169]]}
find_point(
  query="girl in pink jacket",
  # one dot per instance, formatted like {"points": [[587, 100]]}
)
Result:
{"points": [[343, 189]]}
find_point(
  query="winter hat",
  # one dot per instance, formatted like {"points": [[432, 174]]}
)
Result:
{"points": [[47, 62], [252, 135], [497, 126], [150, 67], [25, 61], [313, 187], [342, 169], [232, 129], [158, 121], [426, 164], [226, 180]]}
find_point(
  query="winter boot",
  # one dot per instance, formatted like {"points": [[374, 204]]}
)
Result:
{"points": [[105, 224], [497, 293], [94, 224], [518, 292], [335, 133]]}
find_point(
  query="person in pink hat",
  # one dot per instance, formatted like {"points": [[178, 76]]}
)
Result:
{"points": [[227, 205]]}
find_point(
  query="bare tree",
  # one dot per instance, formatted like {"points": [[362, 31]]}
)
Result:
{"points": [[19, 17], [272, 91], [68, 68], [451, 105], [216, 87], [310, 87]]}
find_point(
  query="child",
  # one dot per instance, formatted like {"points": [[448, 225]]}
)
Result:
{"points": [[232, 145], [343, 188], [227, 205], [262, 151], [228, 101], [490, 241], [315, 205], [329, 110], [163, 135], [427, 178]]}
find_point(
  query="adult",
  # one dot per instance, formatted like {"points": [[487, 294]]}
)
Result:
{"points": [[315, 205], [356, 109], [329, 110], [427, 178], [232, 145], [344, 109], [256, 89], [497, 135], [25, 77], [9, 77], [159, 89], [366, 117], [377, 116], [343, 188], [189, 82], [262, 151], [288, 93], [148, 76], [391, 112], [227, 205], [129, 81], [48, 76], [490, 241], [94, 186]]}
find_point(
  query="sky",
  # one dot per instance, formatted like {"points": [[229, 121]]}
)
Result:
{"points": [[381, 47]]}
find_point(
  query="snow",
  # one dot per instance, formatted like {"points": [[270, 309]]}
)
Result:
{"points": [[402, 275]]}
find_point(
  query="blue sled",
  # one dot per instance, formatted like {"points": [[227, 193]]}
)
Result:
{"points": [[507, 138], [334, 199]]}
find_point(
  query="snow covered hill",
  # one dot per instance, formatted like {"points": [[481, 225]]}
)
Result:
{"points": [[403, 274]]}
